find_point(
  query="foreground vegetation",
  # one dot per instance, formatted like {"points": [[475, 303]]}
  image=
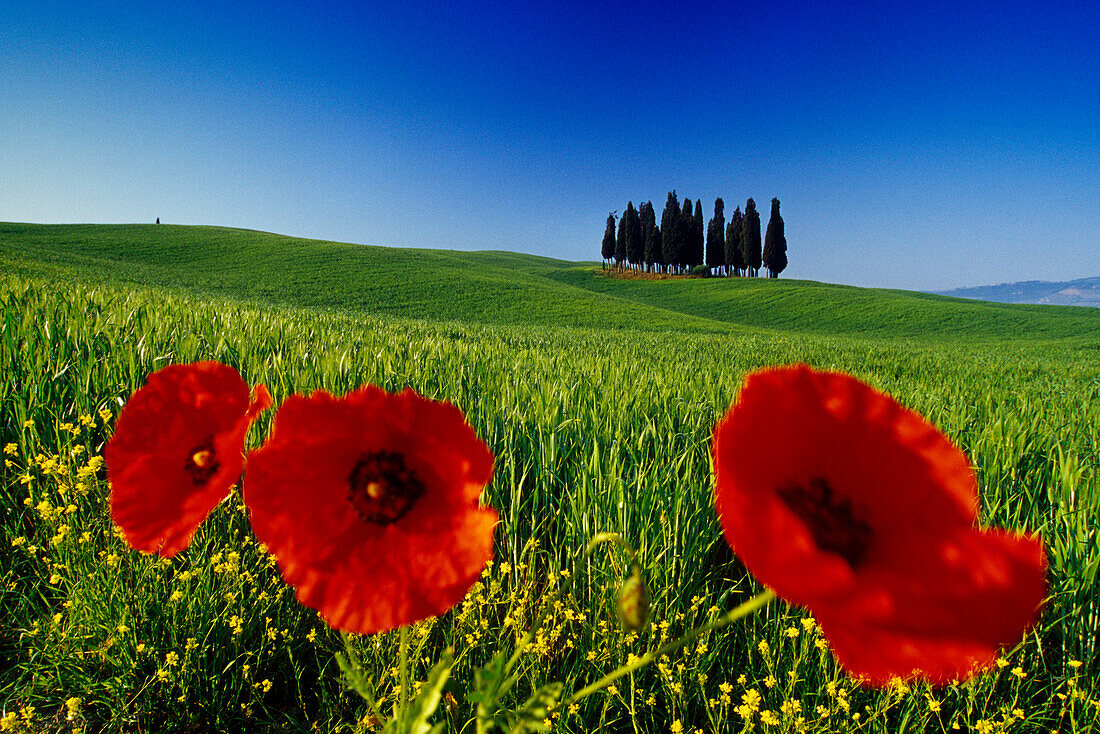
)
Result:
{"points": [[593, 431]]}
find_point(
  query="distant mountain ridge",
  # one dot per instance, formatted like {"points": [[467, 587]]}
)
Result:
{"points": [[1080, 292]]}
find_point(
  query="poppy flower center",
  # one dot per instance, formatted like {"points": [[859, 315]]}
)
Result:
{"points": [[831, 520], [202, 462], [382, 489]]}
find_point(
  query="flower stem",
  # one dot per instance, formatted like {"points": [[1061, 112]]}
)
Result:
{"points": [[404, 653], [356, 681], [752, 605]]}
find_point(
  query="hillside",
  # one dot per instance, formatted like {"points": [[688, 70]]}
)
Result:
{"points": [[505, 288]]}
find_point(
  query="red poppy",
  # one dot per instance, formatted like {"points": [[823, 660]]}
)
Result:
{"points": [[369, 502], [177, 450], [847, 503]]}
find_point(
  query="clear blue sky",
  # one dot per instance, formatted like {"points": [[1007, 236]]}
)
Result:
{"points": [[912, 145]]}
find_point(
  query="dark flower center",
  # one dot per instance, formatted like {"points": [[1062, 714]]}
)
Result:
{"points": [[382, 489], [832, 522], [202, 462]]}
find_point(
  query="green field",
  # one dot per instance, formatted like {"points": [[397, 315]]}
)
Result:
{"points": [[597, 396]]}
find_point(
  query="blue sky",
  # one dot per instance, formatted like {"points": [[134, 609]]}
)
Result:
{"points": [[917, 146]]}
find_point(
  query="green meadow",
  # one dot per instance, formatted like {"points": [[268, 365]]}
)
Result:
{"points": [[597, 396]]}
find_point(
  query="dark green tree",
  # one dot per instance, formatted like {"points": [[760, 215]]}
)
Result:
{"points": [[716, 235], [698, 236], [634, 243], [608, 249], [620, 243], [651, 236], [670, 228], [775, 244], [735, 263], [750, 239], [687, 225]]}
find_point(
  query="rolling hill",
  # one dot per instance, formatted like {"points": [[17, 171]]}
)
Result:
{"points": [[495, 287]]}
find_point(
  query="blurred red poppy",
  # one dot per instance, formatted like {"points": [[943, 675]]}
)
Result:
{"points": [[369, 503], [847, 503], [177, 450]]}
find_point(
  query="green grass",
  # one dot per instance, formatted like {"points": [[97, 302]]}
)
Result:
{"points": [[509, 288], [593, 430]]}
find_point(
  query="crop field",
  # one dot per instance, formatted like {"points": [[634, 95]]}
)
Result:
{"points": [[598, 399]]}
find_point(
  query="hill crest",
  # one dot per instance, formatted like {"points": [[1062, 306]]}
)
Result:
{"points": [[498, 287]]}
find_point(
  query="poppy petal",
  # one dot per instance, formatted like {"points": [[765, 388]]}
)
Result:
{"points": [[987, 588], [177, 450]]}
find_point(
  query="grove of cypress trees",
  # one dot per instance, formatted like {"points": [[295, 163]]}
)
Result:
{"points": [[750, 238], [735, 262], [608, 249], [670, 229], [716, 235], [775, 243], [651, 236]]}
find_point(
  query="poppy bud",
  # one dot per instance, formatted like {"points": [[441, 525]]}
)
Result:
{"points": [[632, 603]]}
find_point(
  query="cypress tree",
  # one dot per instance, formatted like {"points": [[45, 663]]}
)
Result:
{"points": [[716, 235], [750, 238], [697, 236], [651, 236], [683, 235], [608, 249], [775, 243], [670, 227], [634, 244], [620, 242], [734, 260]]}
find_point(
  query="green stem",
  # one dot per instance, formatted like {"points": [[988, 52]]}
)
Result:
{"points": [[353, 661], [404, 653], [753, 604]]}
